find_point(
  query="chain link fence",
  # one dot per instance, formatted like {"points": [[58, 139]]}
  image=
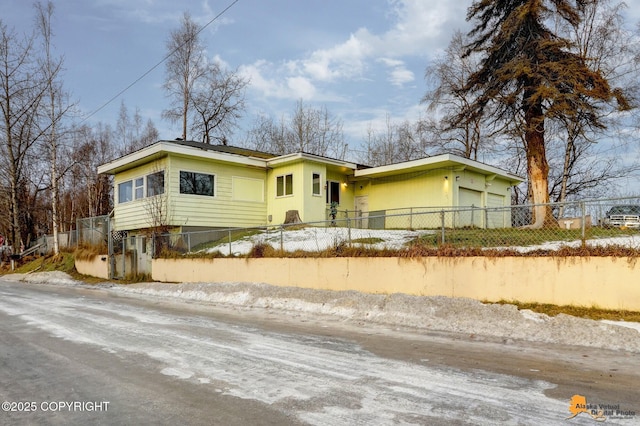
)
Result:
{"points": [[93, 231], [609, 222]]}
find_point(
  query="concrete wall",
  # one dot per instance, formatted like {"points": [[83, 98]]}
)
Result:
{"points": [[610, 283], [96, 267]]}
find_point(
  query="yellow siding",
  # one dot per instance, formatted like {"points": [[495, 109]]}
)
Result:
{"points": [[225, 208], [278, 206], [346, 191], [410, 190], [314, 205], [137, 214]]}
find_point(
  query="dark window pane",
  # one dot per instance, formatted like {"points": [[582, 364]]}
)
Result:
{"points": [[288, 186], [196, 183], [280, 186]]}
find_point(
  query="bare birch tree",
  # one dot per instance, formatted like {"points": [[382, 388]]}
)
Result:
{"points": [[184, 68], [217, 103], [55, 106], [21, 96]]}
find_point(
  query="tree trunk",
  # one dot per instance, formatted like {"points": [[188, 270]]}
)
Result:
{"points": [[54, 192], [537, 165]]}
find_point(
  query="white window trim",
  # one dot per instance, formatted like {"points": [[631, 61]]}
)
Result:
{"points": [[132, 191], [319, 194], [284, 185]]}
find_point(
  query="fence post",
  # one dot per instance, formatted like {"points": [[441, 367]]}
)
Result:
{"points": [[583, 223], [411, 218], [124, 256], [281, 239], [349, 230], [486, 217], [188, 242], [442, 225], [230, 252]]}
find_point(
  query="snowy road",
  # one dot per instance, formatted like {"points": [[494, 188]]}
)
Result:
{"points": [[159, 361]]}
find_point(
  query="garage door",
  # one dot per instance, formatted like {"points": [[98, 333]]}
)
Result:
{"points": [[500, 217], [469, 202]]}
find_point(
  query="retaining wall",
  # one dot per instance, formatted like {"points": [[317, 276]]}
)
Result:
{"points": [[605, 282], [96, 267]]}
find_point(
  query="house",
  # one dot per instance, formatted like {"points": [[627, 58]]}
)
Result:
{"points": [[189, 186]]}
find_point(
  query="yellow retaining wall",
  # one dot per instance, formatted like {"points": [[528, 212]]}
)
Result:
{"points": [[605, 282], [97, 267]]}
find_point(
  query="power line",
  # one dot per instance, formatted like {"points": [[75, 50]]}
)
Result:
{"points": [[150, 70]]}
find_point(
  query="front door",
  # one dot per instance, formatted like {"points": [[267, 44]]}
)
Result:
{"points": [[362, 211]]}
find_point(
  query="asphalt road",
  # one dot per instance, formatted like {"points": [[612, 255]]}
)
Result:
{"points": [[73, 355]]}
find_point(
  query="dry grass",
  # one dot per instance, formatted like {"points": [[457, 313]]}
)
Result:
{"points": [[65, 262], [593, 312], [88, 252]]}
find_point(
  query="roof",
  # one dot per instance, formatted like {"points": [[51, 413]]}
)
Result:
{"points": [[224, 148], [186, 148], [438, 162], [249, 157], [223, 153]]}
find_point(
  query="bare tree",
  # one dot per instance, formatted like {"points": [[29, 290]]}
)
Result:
{"points": [[91, 193], [184, 68], [310, 130], [601, 40], [55, 107], [397, 142], [156, 202], [131, 134], [447, 76], [21, 95], [217, 103]]}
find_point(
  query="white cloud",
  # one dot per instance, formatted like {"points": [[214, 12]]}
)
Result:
{"points": [[400, 76], [418, 29], [398, 73], [301, 87], [345, 60]]}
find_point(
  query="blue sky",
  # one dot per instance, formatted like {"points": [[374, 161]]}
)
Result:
{"points": [[362, 59]]}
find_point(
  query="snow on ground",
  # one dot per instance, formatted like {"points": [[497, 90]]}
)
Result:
{"points": [[439, 313], [631, 241], [319, 239]]}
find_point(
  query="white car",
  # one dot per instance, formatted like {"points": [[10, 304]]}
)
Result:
{"points": [[623, 216]]}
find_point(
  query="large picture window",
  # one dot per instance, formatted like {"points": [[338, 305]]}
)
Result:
{"points": [[197, 183], [284, 185]]}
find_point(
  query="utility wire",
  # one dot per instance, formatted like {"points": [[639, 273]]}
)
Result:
{"points": [[158, 64]]}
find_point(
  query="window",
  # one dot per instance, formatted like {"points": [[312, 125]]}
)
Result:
{"points": [[139, 188], [197, 183], [284, 185], [155, 184], [333, 192], [316, 184], [125, 191]]}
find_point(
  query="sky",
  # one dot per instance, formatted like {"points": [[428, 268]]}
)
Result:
{"points": [[364, 60]]}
